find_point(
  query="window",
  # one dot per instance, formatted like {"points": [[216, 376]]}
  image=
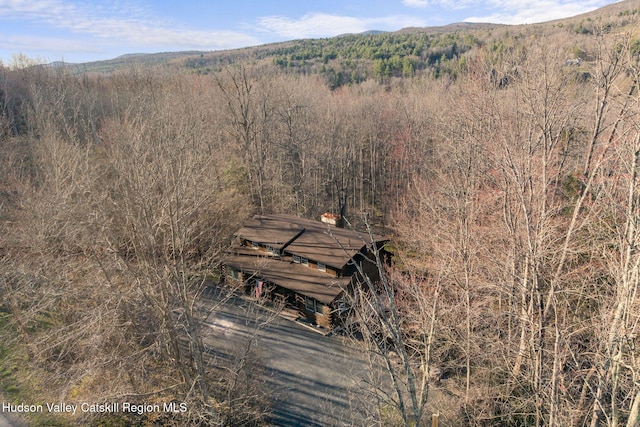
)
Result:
{"points": [[234, 274], [301, 260], [313, 305], [310, 303], [255, 245], [322, 267]]}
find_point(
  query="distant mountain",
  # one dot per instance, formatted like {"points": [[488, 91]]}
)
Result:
{"points": [[57, 64], [127, 60], [351, 58], [128, 56], [457, 26], [364, 33]]}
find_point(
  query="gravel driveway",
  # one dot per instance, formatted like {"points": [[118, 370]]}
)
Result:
{"points": [[311, 375]]}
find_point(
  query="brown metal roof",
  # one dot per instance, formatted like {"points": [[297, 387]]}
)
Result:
{"points": [[329, 245], [289, 275], [314, 240], [271, 230]]}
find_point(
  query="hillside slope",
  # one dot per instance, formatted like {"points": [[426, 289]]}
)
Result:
{"points": [[353, 58]]}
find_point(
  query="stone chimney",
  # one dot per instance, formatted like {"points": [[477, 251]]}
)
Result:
{"points": [[331, 219]]}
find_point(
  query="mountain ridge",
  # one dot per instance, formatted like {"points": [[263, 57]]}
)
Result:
{"points": [[307, 53]]}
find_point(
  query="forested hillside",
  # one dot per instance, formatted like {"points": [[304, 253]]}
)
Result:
{"points": [[505, 163], [436, 52], [352, 59]]}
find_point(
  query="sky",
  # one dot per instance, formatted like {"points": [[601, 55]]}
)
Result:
{"points": [[91, 30]]}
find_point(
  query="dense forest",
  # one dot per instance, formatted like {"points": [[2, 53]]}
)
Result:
{"points": [[504, 162]]}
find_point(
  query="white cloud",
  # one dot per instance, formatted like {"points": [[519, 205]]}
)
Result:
{"points": [[513, 11], [311, 25], [20, 43], [326, 25], [449, 4], [416, 3], [127, 24], [526, 12]]}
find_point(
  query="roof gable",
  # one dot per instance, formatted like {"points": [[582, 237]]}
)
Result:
{"points": [[317, 241], [329, 245], [303, 280], [314, 240], [276, 231]]}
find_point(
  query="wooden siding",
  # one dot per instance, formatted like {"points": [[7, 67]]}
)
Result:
{"points": [[324, 319], [285, 251], [321, 318]]}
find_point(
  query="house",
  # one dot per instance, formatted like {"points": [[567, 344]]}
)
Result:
{"points": [[310, 264]]}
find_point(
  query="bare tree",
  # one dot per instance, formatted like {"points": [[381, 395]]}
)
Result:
{"points": [[166, 217], [616, 358], [397, 316], [127, 222]]}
